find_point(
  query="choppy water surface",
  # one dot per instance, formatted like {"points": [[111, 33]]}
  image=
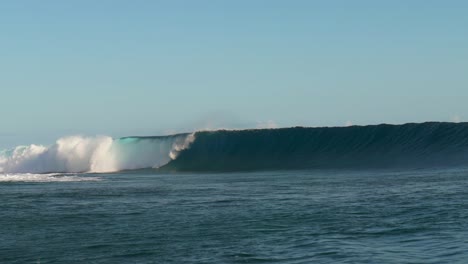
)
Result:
{"points": [[417, 216]]}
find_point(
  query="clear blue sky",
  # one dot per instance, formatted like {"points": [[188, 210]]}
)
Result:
{"points": [[152, 67]]}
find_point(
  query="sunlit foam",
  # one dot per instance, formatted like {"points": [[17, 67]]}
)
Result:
{"points": [[93, 154]]}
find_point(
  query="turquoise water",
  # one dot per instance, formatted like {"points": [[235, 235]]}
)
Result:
{"points": [[412, 216]]}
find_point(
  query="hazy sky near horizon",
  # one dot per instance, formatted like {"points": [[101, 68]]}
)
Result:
{"points": [[154, 67]]}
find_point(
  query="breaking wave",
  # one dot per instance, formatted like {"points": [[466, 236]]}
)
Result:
{"points": [[377, 146], [94, 154]]}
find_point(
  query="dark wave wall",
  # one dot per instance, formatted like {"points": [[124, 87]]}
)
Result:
{"points": [[377, 146]]}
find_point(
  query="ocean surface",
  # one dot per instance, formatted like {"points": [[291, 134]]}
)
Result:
{"points": [[358, 194], [292, 216]]}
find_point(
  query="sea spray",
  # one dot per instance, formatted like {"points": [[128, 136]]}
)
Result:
{"points": [[94, 154]]}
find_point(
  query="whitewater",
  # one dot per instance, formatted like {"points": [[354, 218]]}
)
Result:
{"points": [[98, 154]]}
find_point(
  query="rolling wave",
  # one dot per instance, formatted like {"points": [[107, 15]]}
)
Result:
{"points": [[424, 145]]}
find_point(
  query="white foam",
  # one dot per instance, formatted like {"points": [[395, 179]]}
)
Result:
{"points": [[93, 154], [53, 177]]}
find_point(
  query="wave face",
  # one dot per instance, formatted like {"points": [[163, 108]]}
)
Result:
{"points": [[377, 146], [94, 154]]}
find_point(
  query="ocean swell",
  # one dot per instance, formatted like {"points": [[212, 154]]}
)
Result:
{"points": [[376, 146]]}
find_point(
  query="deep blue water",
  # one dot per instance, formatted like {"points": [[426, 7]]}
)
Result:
{"points": [[417, 216]]}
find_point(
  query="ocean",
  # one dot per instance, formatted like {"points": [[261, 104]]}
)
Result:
{"points": [[305, 216], [359, 194]]}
